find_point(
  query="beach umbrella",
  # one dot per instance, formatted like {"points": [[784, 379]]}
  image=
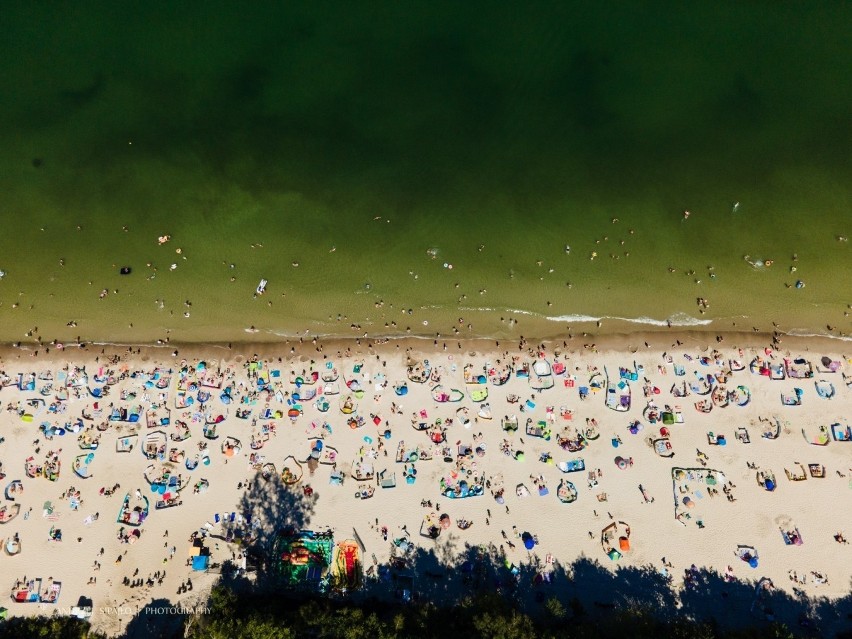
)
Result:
{"points": [[153, 488], [529, 542]]}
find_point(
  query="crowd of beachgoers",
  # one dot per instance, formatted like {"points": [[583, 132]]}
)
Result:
{"points": [[125, 472]]}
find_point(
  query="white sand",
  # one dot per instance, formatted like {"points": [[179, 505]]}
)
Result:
{"points": [[817, 506]]}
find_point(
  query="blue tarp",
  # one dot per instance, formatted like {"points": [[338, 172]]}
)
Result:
{"points": [[200, 562]]}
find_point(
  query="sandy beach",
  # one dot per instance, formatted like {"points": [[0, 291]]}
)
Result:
{"points": [[760, 483]]}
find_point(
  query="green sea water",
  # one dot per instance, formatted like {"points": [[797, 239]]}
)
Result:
{"points": [[373, 144]]}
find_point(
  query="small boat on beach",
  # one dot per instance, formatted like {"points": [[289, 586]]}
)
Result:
{"points": [[261, 287]]}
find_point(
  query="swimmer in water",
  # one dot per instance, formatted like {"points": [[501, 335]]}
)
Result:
{"points": [[686, 215]]}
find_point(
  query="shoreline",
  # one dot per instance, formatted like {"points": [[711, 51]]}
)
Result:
{"points": [[307, 344]]}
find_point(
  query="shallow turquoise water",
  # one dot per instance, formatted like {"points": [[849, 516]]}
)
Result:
{"points": [[393, 130]]}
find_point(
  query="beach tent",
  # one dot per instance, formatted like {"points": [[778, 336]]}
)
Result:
{"points": [[200, 562]]}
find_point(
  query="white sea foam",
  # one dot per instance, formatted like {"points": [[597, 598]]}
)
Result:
{"points": [[677, 319], [803, 332]]}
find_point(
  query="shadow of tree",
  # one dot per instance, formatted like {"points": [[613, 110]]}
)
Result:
{"points": [[268, 509], [159, 618], [432, 588]]}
